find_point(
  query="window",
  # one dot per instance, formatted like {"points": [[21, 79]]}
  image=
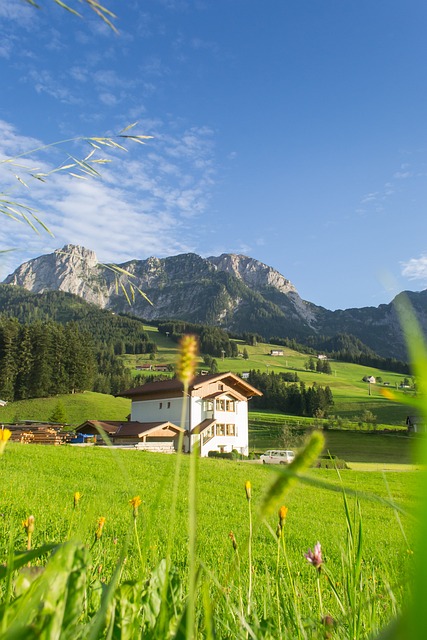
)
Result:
{"points": [[230, 405], [220, 429], [169, 405], [220, 387], [220, 404], [208, 405], [230, 430], [160, 405]]}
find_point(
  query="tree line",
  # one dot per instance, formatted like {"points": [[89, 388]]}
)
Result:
{"points": [[296, 399], [213, 341], [47, 358]]}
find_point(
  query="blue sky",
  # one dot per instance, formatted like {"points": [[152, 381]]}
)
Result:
{"points": [[292, 131]]}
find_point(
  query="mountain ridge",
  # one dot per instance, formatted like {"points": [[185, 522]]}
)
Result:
{"points": [[233, 291]]}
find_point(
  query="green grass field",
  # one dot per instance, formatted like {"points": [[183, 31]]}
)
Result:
{"points": [[351, 394], [79, 407], [263, 583]]}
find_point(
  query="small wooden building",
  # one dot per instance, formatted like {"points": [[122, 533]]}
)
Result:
{"points": [[149, 436]]}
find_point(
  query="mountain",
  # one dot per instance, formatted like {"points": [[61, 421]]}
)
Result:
{"points": [[235, 292]]}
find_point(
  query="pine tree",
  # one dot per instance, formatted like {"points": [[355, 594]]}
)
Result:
{"points": [[9, 332], [59, 414]]}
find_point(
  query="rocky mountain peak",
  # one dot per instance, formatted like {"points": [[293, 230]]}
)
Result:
{"points": [[253, 273]]}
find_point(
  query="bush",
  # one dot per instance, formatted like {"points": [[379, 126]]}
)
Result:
{"points": [[232, 455], [330, 462], [218, 454]]}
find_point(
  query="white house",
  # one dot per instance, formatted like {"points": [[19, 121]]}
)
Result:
{"points": [[215, 411]]}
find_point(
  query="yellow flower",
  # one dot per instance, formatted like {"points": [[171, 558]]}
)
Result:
{"points": [[282, 515], [77, 496], [28, 525], [186, 358], [135, 502], [4, 437], [248, 489], [98, 532]]}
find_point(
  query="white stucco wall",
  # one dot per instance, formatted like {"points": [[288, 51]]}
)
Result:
{"points": [[150, 411]]}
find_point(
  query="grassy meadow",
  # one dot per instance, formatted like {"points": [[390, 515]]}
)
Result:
{"points": [[78, 407], [265, 584], [351, 394]]}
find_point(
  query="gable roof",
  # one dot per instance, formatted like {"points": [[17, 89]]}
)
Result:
{"points": [[116, 428], [163, 387]]}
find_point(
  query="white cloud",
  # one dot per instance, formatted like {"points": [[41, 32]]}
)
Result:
{"points": [[144, 205], [402, 175], [17, 11], [415, 269]]}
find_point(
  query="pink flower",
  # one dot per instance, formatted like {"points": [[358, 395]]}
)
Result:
{"points": [[315, 557]]}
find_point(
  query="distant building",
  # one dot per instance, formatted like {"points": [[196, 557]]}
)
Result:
{"points": [[144, 367], [3, 403], [276, 352], [369, 379], [322, 356]]}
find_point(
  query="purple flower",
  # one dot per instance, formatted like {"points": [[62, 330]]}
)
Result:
{"points": [[315, 557]]}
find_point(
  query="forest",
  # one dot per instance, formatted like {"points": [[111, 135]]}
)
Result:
{"points": [[289, 397]]}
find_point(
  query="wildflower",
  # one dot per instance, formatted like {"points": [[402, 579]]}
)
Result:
{"points": [[282, 515], [315, 557], [28, 525], [77, 496], [4, 437], [233, 540], [187, 358], [98, 532], [135, 502], [248, 489]]}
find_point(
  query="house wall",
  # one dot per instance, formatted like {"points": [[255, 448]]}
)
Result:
{"points": [[150, 411], [240, 441]]}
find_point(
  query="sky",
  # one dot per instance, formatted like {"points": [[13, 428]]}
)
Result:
{"points": [[291, 131]]}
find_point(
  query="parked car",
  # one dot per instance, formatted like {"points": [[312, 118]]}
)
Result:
{"points": [[277, 456]]}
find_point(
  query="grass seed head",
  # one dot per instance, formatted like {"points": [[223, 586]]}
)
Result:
{"points": [[187, 355], [233, 540]]}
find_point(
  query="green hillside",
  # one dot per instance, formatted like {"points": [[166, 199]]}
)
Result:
{"points": [[351, 394], [79, 407]]}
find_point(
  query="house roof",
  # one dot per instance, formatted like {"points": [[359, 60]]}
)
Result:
{"points": [[163, 387], [95, 425], [143, 428], [125, 429], [202, 426]]}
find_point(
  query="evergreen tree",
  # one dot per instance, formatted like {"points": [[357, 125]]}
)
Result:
{"points": [[59, 414], [9, 332], [25, 364]]}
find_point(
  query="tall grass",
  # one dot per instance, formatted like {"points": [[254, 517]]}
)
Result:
{"points": [[100, 579]]}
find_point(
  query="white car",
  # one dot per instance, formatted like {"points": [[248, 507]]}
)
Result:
{"points": [[277, 456]]}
